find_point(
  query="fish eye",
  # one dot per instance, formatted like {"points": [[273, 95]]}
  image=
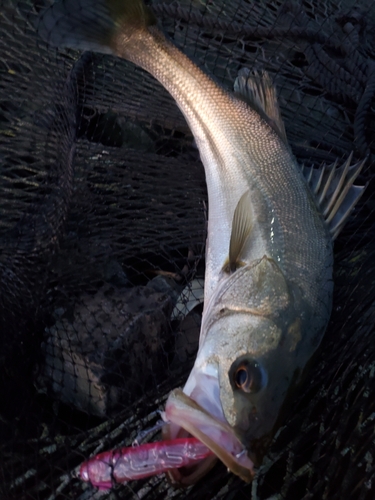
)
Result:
{"points": [[249, 376]]}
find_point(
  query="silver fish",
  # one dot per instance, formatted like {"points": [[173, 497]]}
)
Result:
{"points": [[268, 281]]}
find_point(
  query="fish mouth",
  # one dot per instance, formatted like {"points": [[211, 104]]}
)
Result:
{"points": [[187, 417]]}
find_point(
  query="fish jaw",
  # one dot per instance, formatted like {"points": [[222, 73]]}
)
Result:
{"points": [[186, 415]]}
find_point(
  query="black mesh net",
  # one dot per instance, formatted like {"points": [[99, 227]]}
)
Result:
{"points": [[102, 226]]}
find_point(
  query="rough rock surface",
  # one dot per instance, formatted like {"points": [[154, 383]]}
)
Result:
{"points": [[114, 336]]}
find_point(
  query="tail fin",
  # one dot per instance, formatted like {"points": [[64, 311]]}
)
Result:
{"points": [[92, 24]]}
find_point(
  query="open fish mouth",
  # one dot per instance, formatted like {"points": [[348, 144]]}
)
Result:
{"points": [[186, 417]]}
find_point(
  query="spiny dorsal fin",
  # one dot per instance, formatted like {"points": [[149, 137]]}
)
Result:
{"points": [[241, 229], [257, 89], [334, 191]]}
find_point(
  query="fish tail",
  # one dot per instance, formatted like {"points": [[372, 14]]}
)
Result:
{"points": [[93, 24]]}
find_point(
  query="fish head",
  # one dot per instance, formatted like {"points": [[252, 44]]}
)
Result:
{"points": [[255, 377], [249, 358]]}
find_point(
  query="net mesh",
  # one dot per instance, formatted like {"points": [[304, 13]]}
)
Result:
{"points": [[103, 213]]}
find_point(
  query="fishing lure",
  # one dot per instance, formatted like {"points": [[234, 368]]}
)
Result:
{"points": [[125, 464]]}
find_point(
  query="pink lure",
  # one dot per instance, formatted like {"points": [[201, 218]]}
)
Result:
{"points": [[125, 464]]}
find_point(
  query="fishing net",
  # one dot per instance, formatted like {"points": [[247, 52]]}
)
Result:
{"points": [[102, 228]]}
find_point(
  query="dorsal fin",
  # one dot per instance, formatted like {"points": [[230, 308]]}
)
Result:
{"points": [[257, 89], [241, 228], [334, 191]]}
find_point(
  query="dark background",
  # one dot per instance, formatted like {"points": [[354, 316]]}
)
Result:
{"points": [[102, 191]]}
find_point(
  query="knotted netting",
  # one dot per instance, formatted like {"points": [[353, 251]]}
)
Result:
{"points": [[102, 227]]}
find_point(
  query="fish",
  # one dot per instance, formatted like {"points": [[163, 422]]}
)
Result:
{"points": [[269, 251]]}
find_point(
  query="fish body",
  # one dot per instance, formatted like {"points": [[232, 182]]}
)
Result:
{"points": [[268, 280]]}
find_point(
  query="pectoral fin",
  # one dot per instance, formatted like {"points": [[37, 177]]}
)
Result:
{"points": [[241, 228]]}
